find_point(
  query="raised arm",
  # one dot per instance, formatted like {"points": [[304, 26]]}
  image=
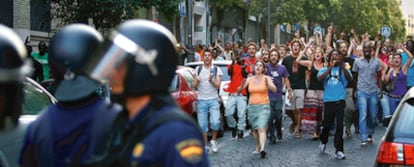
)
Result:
{"points": [[356, 38], [408, 63], [306, 63], [329, 36]]}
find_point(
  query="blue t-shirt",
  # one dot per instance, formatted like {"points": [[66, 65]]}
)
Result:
{"points": [[410, 75], [335, 84], [277, 73], [404, 58]]}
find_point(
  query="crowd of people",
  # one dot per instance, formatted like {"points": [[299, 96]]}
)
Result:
{"points": [[325, 85], [141, 125], [321, 84]]}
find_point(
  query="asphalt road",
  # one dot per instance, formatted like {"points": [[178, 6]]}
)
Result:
{"points": [[292, 152]]}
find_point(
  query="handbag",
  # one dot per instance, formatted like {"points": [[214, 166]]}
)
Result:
{"points": [[391, 85]]}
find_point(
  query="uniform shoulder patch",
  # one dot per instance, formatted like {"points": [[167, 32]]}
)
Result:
{"points": [[138, 150], [190, 150]]}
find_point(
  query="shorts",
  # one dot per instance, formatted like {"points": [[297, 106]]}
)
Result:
{"points": [[298, 99]]}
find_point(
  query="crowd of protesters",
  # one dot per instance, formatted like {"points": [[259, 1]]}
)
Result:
{"points": [[321, 83]]}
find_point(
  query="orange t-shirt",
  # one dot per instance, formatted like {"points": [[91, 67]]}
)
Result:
{"points": [[258, 91]]}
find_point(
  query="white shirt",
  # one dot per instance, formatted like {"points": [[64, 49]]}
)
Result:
{"points": [[206, 90]]}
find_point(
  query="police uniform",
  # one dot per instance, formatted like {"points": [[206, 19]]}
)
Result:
{"points": [[60, 136], [174, 143], [77, 128]]}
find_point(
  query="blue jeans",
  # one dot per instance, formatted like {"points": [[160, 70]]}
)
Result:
{"points": [[239, 103], [276, 106], [203, 108], [367, 104], [394, 101], [385, 105]]}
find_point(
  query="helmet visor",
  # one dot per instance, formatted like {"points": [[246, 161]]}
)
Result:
{"points": [[113, 53], [17, 74]]}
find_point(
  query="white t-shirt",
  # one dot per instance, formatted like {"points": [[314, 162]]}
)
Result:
{"points": [[206, 90]]}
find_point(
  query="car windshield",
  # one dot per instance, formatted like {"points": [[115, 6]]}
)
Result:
{"points": [[405, 121], [35, 100]]}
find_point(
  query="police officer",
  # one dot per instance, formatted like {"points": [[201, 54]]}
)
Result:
{"points": [[140, 64], [76, 128], [14, 66]]}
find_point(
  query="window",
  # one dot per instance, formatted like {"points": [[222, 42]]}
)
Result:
{"points": [[6, 13], [40, 15]]}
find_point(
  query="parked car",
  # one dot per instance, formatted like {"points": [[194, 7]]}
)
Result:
{"points": [[396, 147], [36, 98], [181, 90]]}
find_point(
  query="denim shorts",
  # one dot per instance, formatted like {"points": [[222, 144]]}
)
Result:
{"points": [[204, 107]]}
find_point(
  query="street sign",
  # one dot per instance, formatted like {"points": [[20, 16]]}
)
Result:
{"points": [[182, 8], [317, 29], [386, 31]]}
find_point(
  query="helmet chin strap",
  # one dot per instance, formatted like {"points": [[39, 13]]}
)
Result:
{"points": [[69, 75]]}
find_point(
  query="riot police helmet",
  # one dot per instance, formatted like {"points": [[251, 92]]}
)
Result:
{"points": [[14, 67], [70, 48], [149, 52]]}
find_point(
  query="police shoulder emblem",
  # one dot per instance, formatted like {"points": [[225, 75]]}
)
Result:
{"points": [[190, 150], [138, 150]]}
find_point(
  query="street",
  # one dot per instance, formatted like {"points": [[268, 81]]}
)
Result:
{"points": [[292, 152]]}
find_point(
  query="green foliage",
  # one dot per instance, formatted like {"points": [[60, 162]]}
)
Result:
{"points": [[106, 14], [361, 15], [226, 3]]}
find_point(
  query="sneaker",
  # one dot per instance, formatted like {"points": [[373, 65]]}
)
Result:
{"points": [[340, 155], [233, 132], [364, 143], [262, 154], [240, 135], [369, 139], [214, 146], [255, 152], [322, 148]]}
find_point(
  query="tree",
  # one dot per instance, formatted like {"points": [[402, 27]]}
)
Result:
{"points": [[106, 14]]}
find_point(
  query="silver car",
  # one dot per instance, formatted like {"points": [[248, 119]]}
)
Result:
{"points": [[36, 98]]}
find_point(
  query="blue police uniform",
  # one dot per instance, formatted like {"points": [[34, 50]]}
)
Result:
{"points": [[60, 136], [173, 143]]}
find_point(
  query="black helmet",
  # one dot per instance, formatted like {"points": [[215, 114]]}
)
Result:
{"points": [[70, 48], [150, 53], [14, 66]]}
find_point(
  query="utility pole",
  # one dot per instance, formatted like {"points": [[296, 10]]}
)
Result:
{"points": [[190, 57], [268, 24], [207, 7]]}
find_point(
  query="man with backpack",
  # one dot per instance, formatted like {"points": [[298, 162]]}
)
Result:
{"points": [[207, 82]]}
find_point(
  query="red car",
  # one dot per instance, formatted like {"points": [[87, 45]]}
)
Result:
{"points": [[181, 90]]}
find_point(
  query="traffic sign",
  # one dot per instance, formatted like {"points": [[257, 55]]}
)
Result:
{"points": [[182, 8], [386, 31], [317, 29]]}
